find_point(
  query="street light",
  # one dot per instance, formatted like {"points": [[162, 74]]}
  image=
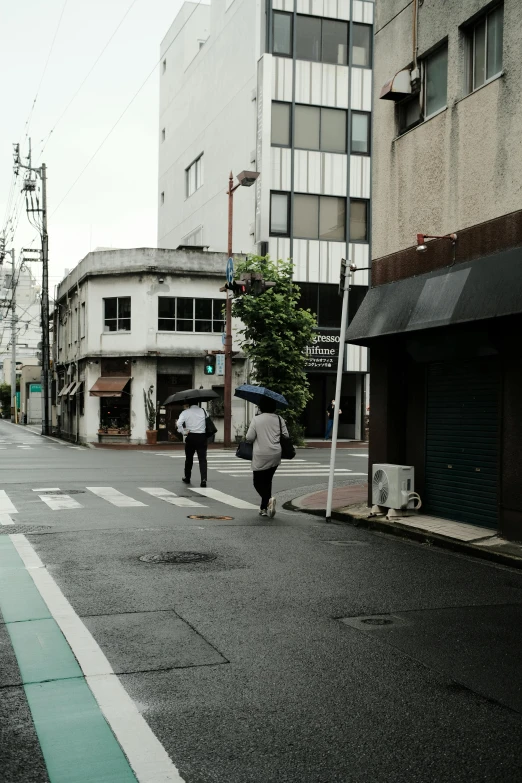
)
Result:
{"points": [[422, 246], [245, 179]]}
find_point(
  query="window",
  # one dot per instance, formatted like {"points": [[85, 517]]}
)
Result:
{"points": [[485, 49], [164, 65], [163, 135], [321, 40], [361, 127], [358, 220], [194, 176], [281, 121], [162, 197], [282, 34], [279, 213], [82, 321], [324, 301], [182, 314], [435, 82], [409, 113], [320, 129], [117, 316], [319, 217], [362, 45]]}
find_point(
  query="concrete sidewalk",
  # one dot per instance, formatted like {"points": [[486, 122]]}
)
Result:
{"points": [[349, 505]]}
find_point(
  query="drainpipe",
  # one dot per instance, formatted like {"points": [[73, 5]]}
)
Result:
{"points": [[415, 32]]}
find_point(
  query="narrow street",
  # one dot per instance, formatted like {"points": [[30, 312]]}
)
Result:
{"points": [[297, 652]]}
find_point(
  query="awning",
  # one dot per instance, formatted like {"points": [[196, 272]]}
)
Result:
{"points": [[66, 389], [75, 388], [109, 387], [488, 288]]}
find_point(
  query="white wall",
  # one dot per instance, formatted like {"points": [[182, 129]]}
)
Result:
{"points": [[209, 107]]}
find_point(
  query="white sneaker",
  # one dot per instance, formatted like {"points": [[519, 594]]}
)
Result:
{"points": [[271, 508], [262, 512]]}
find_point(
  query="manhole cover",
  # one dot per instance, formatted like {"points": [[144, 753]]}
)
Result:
{"points": [[6, 529], [199, 516], [376, 621], [178, 557]]}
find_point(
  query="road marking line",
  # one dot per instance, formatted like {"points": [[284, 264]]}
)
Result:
{"points": [[112, 495], [60, 502], [145, 754], [6, 506], [171, 497], [47, 489], [230, 500], [5, 519], [24, 447]]}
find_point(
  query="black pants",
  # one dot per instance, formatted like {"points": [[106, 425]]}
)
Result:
{"points": [[263, 484], [196, 442]]}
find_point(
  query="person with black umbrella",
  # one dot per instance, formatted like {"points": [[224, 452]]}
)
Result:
{"points": [[192, 424]]}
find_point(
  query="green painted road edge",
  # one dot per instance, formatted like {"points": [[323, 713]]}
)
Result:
{"points": [[77, 743]]}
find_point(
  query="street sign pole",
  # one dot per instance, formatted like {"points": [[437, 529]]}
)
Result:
{"points": [[344, 288]]}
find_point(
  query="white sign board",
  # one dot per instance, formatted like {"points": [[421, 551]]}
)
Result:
{"points": [[220, 364]]}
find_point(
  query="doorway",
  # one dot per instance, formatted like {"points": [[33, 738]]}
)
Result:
{"points": [[167, 385]]}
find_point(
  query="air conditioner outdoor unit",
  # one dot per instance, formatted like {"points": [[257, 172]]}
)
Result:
{"points": [[392, 486]]}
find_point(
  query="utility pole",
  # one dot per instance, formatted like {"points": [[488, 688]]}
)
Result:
{"points": [[13, 337], [227, 423], [45, 309], [29, 187]]}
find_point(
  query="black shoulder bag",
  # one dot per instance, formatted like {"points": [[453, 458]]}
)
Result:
{"points": [[287, 447], [210, 427]]}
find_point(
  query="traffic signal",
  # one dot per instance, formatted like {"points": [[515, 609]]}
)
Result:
{"points": [[210, 364]]}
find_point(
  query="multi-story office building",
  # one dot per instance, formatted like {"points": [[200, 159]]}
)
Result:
{"points": [[444, 324], [282, 87]]}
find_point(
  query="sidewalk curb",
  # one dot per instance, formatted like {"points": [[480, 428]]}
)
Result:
{"points": [[420, 536]]}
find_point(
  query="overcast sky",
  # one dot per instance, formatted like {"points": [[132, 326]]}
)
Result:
{"points": [[114, 202]]}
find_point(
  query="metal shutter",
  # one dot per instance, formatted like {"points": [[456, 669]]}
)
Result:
{"points": [[462, 441]]}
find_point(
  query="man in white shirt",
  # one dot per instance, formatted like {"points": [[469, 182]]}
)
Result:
{"points": [[191, 423]]}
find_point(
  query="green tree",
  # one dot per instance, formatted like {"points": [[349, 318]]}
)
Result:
{"points": [[275, 335]]}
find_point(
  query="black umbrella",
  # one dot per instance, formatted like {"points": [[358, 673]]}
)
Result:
{"points": [[192, 395]]}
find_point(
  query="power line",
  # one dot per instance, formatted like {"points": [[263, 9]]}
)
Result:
{"points": [[28, 121], [93, 66], [124, 111]]}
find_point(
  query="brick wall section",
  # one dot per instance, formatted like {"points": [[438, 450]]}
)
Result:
{"points": [[493, 236]]}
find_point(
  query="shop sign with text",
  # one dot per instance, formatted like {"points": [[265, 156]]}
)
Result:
{"points": [[323, 354]]}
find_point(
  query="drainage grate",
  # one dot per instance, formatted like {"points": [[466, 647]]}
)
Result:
{"points": [[6, 529], [375, 622], [199, 516], [64, 492], [178, 557]]}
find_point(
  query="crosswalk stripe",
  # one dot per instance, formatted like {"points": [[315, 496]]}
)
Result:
{"points": [[6, 506], [47, 489], [5, 519], [24, 447], [116, 498], [171, 497], [216, 494], [60, 502]]}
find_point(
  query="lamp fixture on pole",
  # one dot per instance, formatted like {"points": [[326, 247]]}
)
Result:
{"points": [[245, 179]]}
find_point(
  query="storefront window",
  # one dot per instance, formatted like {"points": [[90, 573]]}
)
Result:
{"points": [[115, 413]]}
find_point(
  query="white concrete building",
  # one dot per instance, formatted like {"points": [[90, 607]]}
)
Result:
{"points": [[28, 324], [126, 320], [282, 87]]}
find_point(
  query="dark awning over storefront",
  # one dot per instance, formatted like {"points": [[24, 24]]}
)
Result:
{"points": [[109, 387], [487, 288]]}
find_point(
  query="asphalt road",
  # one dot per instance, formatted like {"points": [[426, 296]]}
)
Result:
{"points": [[258, 665]]}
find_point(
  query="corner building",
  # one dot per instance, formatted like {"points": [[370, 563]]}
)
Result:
{"points": [[443, 321], [282, 87]]}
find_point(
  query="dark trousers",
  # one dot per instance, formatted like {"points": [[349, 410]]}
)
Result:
{"points": [[196, 442], [263, 484], [329, 428]]}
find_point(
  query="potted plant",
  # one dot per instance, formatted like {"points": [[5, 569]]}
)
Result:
{"points": [[150, 415]]}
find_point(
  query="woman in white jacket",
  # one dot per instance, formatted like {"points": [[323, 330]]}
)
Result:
{"points": [[265, 435]]}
